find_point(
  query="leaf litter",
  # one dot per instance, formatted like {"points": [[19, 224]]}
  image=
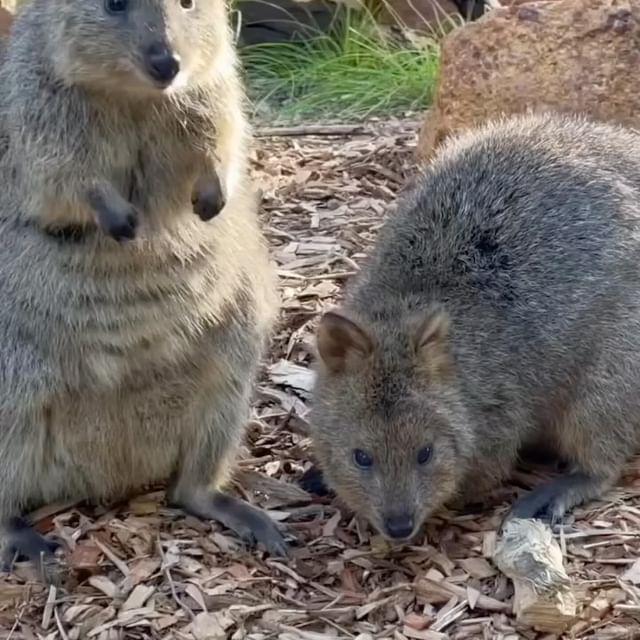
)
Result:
{"points": [[138, 569]]}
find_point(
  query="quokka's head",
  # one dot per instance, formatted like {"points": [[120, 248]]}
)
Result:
{"points": [[138, 46], [388, 427]]}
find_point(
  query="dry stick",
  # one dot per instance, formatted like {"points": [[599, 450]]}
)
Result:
{"points": [[428, 587], [312, 130], [63, 634], [18, 620], [111, 555], [172, 586], [47, 613]]}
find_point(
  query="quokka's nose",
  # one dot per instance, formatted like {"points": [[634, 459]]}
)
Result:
{"points": [[163, 65], [399, 526]]}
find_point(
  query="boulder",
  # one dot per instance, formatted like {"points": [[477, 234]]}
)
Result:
{"points": [[565, 55], [6, 18]]}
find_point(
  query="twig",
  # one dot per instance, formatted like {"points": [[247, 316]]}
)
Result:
{"points": [[17, 622], [120, 564], [172, 586], [63, 634], [590, 533], [337, 275], [428, 587], [313, 130], [450, 617], [47, 614]]}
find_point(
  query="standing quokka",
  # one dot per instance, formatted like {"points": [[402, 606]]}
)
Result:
{"points": [[126, 363], [500, 308], [88, 87]]}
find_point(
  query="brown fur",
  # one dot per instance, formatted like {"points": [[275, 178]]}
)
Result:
{"points": [[129, 363], [499, 309]]}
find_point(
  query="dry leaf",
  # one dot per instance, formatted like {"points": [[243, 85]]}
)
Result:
{"points": [[292, 375], [632, 574], [211, 626]]}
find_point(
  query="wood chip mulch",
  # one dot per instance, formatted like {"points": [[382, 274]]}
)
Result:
{"points": [[141, 570]]}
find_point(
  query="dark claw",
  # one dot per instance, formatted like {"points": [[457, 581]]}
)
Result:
{"points": [[275, 544], [555, 520], [535, 504], [260, 529], [251, 524], [28, 544], [312, 481], [269, 537]]}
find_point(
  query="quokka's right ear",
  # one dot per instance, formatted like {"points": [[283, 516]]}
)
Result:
{"points": [[342, 343], [430, 340]]}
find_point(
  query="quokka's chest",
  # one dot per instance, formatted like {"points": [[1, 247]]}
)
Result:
{"points": [[155, 167]]}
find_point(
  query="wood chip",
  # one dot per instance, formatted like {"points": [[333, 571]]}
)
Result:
{"points": [[530, 556]]}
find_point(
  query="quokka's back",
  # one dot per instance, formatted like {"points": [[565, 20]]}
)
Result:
{"points": [[500, 307]]}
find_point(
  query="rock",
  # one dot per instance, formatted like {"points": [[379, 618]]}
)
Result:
{"points": [[6, 18], [564, 55]]}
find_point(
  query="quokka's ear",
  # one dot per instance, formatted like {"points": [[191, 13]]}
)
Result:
{"points": [[430, 342], [342, 343]]}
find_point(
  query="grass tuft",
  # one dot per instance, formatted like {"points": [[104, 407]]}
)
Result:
{"points": [[355, 72]]}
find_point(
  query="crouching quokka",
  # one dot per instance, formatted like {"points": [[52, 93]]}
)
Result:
{"points": [[499, 308]]}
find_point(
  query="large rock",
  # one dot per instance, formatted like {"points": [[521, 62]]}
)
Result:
{"points": [[564, 55], [6, 18]]}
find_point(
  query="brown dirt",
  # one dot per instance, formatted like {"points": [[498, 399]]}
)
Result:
{"points": [[141, 570]]}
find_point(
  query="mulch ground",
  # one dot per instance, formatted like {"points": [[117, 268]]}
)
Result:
{"points": [[141, 570]]}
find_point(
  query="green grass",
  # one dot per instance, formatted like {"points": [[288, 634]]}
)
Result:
{"points": [[354, 73]]}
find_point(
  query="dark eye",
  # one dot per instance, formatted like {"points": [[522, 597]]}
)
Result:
{"points": [[186, 4], [362, 458], [116, 6], [424, 455]]}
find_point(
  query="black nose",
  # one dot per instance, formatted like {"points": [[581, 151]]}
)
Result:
{"points": [[399, 526], [162, 64]]}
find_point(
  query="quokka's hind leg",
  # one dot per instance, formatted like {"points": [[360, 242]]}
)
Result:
{"points": [[596, 437], [203, 468], [251, 524], [551, 500]]}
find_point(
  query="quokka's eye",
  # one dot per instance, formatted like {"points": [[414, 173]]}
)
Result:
{"points": [[362, 459], [116, 6], [187, 4], [424, 455]]}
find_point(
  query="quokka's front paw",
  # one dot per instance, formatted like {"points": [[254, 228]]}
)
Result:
{"points": [[115, 215], [122, 225]]}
